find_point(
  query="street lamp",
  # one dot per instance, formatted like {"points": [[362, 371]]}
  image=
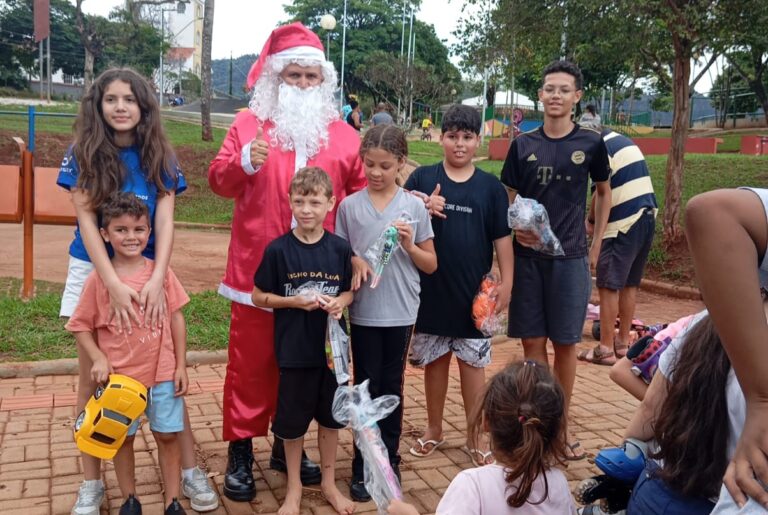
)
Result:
{"points": [[328, 22], [343, 48], [181, 8]]}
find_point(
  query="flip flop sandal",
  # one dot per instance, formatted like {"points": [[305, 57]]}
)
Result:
{"points": [[575, 457], [420, 452], [474, 453], [599, 356]]}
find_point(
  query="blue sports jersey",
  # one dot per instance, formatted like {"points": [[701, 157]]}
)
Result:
{"points": [[136, 182]]}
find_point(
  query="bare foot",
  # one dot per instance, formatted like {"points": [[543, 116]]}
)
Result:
{"points": [[292, 503], [341, 504]]}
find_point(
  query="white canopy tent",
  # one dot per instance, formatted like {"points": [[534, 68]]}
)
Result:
{"points": [[503, 98]]}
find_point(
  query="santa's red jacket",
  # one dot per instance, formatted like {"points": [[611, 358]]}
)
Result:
{"points": [[262, 211]]}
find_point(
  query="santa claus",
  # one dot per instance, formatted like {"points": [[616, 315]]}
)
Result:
{"points": [[291, 122]]}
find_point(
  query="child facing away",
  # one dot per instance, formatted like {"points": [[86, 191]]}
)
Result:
{"points": [[472, 225], [382, 317], [120, 145], [156, 357], [306, 258], [523, 410]]}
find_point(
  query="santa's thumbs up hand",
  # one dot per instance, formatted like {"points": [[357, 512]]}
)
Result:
{"points": [[259, 149]]}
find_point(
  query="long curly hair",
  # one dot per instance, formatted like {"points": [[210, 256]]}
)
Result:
{"points": [[692, 426], [97, 154], [523, 410]]}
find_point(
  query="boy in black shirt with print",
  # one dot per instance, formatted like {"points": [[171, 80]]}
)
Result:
{"points": [[553, 164], [307, 254], [472, 224]]}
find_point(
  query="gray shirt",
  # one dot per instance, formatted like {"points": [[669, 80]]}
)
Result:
{"points": [[395, 301], [382, 118]]}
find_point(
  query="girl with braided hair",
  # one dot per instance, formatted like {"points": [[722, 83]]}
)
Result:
{"points": [[522, 409]]}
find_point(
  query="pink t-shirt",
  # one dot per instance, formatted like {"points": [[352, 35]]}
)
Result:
{"points": [[146, 355], [484, 491]]}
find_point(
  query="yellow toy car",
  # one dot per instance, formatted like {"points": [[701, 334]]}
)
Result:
{"points": [[102, 426]]}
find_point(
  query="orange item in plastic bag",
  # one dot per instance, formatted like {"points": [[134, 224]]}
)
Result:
{"points": [[484, 305]]}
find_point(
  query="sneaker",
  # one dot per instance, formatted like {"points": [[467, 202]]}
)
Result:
{"points": [[89, 498], [202, 497], [175, 508], [131, 506]]}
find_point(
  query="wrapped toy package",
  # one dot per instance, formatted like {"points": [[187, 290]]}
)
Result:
{"points": [[336, 340], [525, 214], [380, 252], [337, 350], [353, 406], [484, 305]]}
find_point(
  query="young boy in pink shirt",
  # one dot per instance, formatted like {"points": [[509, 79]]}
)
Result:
{"points": [[156, 357]]}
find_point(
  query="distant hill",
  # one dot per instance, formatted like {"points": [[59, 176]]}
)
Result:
{"points": [[240, 67]]}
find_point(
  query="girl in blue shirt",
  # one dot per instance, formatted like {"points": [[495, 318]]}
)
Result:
{"points": [[120, 145]]}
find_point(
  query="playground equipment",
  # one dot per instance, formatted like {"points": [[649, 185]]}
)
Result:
{"points": [[30, 195]]}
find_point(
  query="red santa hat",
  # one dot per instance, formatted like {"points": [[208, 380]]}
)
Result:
{"points": [[292, 41]]}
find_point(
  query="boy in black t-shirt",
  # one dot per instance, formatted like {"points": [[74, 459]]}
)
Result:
{"points": [[553, 165], [473, 222], [308, 257]]}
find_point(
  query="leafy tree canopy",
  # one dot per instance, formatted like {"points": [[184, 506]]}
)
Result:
{"points": [[376, 26]]}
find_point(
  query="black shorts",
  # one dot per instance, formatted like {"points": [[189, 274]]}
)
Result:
{"points": [[302, 395], [622, 259], [549, 298]]}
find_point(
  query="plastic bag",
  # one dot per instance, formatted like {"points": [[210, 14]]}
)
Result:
{"points": [[353, 406], [336, 340], [337, 350], [484, 305], [525, 214], [310, 289], [381, 251]]}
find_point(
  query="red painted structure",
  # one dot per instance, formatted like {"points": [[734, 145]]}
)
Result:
{"points": [[498, 148], [753, 145]]}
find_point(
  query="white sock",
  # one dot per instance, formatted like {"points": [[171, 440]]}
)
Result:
{"points": [[187, 473], [93, 483]]}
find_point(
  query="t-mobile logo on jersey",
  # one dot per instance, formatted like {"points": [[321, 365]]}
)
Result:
{"points": [[544, 174]]}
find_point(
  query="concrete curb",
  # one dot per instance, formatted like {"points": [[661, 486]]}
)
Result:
{"points": [[202, 226], [670, 290], [57, 367]]}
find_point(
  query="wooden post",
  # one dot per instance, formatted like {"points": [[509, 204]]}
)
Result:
{"points": [[28, 181]]}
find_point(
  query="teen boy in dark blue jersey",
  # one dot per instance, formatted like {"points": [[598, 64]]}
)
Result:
{"points": [[553, 165]]}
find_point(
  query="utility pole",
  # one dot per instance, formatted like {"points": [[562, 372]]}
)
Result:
{"points": [[230, 73]]}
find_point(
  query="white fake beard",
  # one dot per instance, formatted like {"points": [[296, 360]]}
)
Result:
{"points": [[301, 119]]}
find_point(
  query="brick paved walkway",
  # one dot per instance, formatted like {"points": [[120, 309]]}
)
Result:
{"points": [[40, 470]]}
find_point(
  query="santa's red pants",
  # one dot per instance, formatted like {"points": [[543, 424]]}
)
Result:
{"points": [[250, 388]]}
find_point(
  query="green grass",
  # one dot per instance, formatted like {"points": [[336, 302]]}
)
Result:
{"points": [[33, 331], [179, 133]]}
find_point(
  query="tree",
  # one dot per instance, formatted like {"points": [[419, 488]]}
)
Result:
{"points": [[374, 25], [205, 70], [746, 44], [388, 76], [684, 30], [19, 52], [91, 38], [732, 93], [516, 39]]}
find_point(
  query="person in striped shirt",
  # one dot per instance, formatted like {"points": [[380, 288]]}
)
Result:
{"points": [[626, 243]]}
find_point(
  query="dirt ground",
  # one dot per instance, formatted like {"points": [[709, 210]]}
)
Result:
{"points": [[198, 257]]}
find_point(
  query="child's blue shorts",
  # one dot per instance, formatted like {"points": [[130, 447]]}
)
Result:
{"points": [[164, 411]]}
